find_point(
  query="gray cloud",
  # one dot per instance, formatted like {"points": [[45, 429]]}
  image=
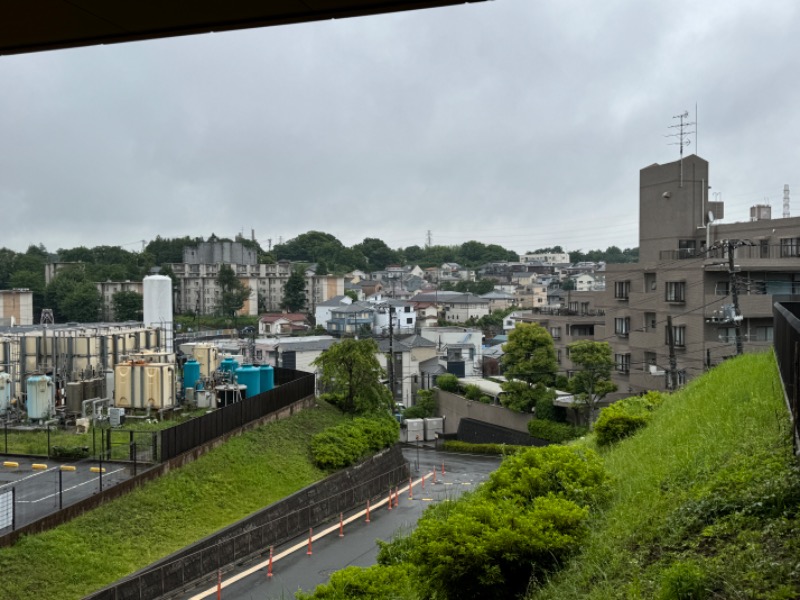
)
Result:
{"points": [[511, 122]]}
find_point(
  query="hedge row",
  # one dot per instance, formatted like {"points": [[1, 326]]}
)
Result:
{"points": [[346, 444], [555, 432], [498, 449]]}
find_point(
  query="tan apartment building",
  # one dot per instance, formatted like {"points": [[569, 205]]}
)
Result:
{"points": [[684, 272], [197, 289]]}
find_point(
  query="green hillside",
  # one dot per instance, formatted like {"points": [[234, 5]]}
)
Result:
{"points": [[705, 502], [248, 472]]}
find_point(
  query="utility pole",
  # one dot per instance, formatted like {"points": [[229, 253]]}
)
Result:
{"points": [[391, 351], [673, 363], [737, 316]]}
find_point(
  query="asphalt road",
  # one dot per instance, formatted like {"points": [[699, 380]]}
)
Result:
{"points": [[293, 568], [37, 491]]}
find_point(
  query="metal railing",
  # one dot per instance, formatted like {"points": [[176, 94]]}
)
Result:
{"points": [[786, 341]]}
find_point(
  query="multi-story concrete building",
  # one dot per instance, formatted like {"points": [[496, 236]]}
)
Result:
{"points": [[690, 265], [197, 289], [16, 307], [107, 290]]}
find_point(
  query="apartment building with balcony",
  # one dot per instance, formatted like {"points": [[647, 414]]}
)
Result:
{"points": [[197, 291], [684, 272]]}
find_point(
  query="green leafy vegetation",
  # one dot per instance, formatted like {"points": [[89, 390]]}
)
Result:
{"points": [[350, 376], [625, 417], [520, 526], [592, 382], [493, 449], [447, 382], [425, 406], [555, 432], [230, 482], [347, 443], [705, 499], [530, 366]]}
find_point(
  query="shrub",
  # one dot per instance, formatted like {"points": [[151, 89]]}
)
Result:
{"points": [[545, 409], [497, 449], [424, 408], [345, 444], [485, 399], [487, 548], [472, 392], [555, 432], [623, 418], [447, 382], [64, 453], [683, 581], [377, 582], [573, 473]]}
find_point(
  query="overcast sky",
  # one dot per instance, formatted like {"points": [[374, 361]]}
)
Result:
{"points": [[512, 122]]}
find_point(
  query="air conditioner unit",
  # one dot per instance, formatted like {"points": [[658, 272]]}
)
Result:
{"points": [[654, 370]]}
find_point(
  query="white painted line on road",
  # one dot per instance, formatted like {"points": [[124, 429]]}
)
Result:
{"points": [[69, 489], [300, 545]]}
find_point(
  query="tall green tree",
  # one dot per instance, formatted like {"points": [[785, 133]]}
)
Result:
{"points": [[294, 292], [128, 306], [530, 364], [592, 382], [73, 297], [351, 375], [233, 292]]}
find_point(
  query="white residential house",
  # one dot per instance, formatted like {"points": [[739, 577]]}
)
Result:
{"points": [[459, 349], [322, 313], [404, 314], [553, 258]]}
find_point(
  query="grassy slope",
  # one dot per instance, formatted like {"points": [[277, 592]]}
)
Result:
{"points": [[706, 499], [246, 474]]}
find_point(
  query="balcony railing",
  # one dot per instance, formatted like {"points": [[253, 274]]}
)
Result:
{"points": [[763, 252]]}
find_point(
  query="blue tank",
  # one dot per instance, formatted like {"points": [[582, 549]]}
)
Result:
{"points": [[191, 375], [228, 365], [267, 377], [250, 376]]}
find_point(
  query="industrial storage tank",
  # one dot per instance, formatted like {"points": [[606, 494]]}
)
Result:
{"points": [[41, 399], [208, 357], [5, 392], [249, 376], [229, 393], [75, 396], [144, 385], [228, 365], [158, 305], [191, 375], [267, 377]]}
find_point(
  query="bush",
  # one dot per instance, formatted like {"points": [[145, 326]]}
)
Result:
{"points": [[573, 473], [345, 444], [424, 408], [447, 382], [683, 581], [623, 418], [485, 399], [377, 582], [64, 453], [472, 392], [545, 409], [555, 432], [494, 449]]}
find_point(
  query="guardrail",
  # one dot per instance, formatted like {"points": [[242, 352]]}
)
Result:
{"points": [[786, 341]]}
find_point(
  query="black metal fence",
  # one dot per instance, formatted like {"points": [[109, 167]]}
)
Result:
{"points": [[786, 340], [276, 524], [290, 386]]}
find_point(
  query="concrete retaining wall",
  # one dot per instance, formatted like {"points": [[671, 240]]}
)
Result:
{"points": [[454, 408]]}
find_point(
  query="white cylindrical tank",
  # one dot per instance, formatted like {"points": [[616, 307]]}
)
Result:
{"points": [[5, 391], [40, 397], [158, 305]]}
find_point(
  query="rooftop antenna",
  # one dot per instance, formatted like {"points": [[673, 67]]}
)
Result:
{"points": [[786, 201], [682, 135]]}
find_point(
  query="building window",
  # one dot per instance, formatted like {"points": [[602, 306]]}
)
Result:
{"points": [[722, 288], [649, 321], [649, 360], [676, 291], [650, 283], [686, 248], [763, 334], [622, 289], [409, 321], [555, 332], [622, 362], [790, 247], [622, 326], [678, 334]]}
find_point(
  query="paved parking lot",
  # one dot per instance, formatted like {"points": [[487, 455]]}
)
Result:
{"points": [[41, 486]]}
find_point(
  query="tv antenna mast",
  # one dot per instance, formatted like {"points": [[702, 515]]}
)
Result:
{"points": [[682, 135]]}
